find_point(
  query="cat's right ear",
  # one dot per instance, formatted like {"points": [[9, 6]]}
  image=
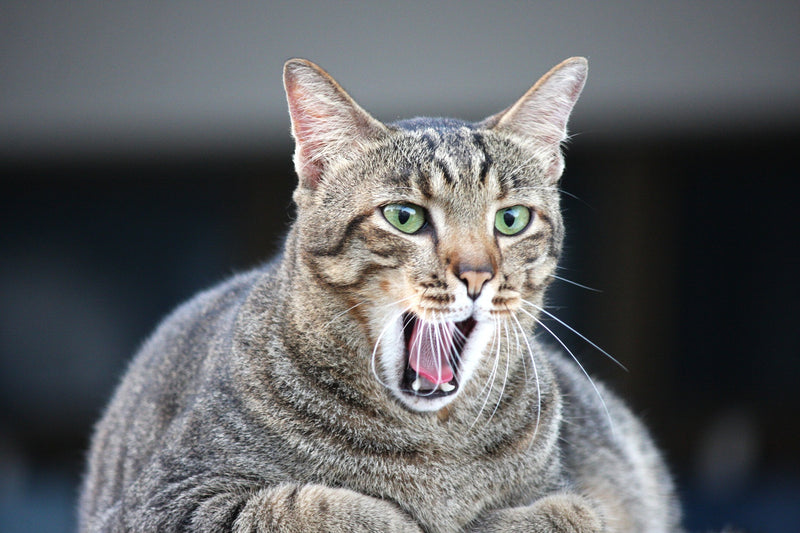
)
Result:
{"points": [[327, 124], [543, 111], [540, 116]]}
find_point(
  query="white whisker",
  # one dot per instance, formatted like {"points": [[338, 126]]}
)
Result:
{"points": [[559, 278], [489, 385], [432, 332], [505, 377], [577, 198], [536, 377], [414, 347], [577, 362], [393, 318], [576, 332], [391, 304], [460, 335], [438, 335], [339, 315], [519, 348], [495, 364], [377, 344]]}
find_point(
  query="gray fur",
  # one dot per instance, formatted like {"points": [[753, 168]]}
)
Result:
{"points": [[271, 402]]}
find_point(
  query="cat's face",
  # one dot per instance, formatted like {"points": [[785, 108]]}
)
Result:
{"points": [[439, 236]]}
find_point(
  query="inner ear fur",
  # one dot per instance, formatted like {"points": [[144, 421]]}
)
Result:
{"points": [[541, 114], [327, 124]]}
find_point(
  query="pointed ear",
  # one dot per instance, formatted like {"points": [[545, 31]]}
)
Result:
{"points": [[327, 124], [542, 113]]}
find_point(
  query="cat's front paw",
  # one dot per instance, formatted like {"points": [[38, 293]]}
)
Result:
{"points": [[316, 508], [567, 513], [557, 513]]}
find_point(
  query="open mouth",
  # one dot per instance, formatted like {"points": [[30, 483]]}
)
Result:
{"points": [[433, 355]]}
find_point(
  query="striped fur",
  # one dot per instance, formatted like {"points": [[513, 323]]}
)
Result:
{"points": [[285, 399]]}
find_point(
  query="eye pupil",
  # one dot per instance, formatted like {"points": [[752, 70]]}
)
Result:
{"points": [[509, 218], [403, 216]]}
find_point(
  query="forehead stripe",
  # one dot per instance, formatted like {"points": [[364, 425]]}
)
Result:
{"points": [[477, 138], [442, 167]]}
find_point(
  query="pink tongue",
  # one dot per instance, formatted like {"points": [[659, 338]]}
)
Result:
{"points": [[429, 350]]}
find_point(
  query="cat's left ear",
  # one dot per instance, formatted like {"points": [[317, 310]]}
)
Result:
{"points": [[541, 115], [327, 124]]}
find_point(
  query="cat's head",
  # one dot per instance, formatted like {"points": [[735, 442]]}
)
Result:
{"points": [[438, 236]]}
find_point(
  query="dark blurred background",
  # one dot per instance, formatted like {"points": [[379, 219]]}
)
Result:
{"points": [[145, 154]]}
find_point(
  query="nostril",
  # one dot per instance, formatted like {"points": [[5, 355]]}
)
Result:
{"points": [[475, 280]]}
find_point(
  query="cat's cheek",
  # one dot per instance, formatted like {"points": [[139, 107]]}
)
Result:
{"points": [[539, 273], [391, 289], [385, 245], [354, 266], [335, 272]]}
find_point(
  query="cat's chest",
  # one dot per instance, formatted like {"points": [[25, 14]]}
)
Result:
{"points": [[446, 490]]}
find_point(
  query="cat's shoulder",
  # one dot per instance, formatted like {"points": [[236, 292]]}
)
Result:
{"points": [[210, 312], [224, 295]]}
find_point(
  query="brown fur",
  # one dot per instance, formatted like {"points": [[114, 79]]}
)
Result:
{"points": [[280, 400]]}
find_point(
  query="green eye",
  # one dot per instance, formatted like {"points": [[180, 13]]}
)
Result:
{"points": [[512, 220], [408, 218]]}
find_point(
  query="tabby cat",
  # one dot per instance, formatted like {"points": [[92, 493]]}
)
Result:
{"points": [[381, 374]]}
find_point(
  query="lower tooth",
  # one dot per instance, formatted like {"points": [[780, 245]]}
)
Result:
{"points": [[446, 387], [416, 385]]}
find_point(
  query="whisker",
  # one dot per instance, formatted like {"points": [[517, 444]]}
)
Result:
{"points": [[491, 351], [559, 278], [416, 346], [459, 341], [537, 188], [519, 348], [536, 377], [505, 377], [576, 332], [373, 359], [339, 315], [434, 331], [390, 304], [408, 318], [433, 338], [577, 362], [525, 162], [489, 385], [438, 336], [577, 198]]}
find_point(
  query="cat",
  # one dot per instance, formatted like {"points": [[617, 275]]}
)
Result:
{"points": [[381, 374]]}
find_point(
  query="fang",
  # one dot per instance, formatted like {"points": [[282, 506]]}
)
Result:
{"points": [[446, 387]]}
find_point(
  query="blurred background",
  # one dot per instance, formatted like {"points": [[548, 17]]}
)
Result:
{"points": [[145, 154]]}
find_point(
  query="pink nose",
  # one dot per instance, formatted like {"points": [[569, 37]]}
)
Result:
{"points": [[475, 280]]}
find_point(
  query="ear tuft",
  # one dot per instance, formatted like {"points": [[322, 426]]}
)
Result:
{"points": [[327, 124], [542, 112]]}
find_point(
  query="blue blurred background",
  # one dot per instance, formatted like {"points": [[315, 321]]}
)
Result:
{"points": [[145, 154]]}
